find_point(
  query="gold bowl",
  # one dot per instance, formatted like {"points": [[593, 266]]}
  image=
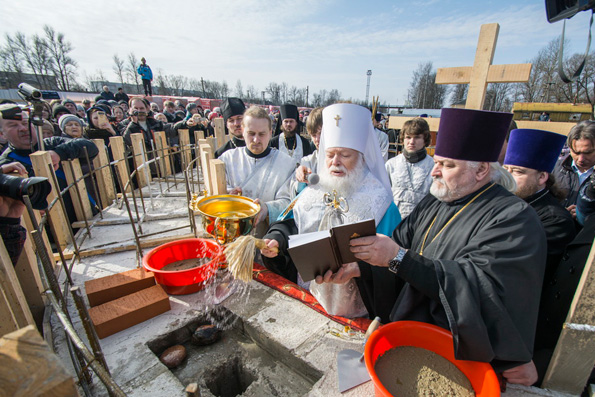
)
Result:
{"points": [[226, 216]]}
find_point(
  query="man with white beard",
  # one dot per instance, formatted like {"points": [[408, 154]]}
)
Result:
{"points": [[472, 254], [351, 170]]}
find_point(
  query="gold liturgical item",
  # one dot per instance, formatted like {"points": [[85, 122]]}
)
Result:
{"points": [[226, 216]]}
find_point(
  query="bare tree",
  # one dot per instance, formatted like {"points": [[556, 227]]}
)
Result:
{"points": [[224, 89], [423, 92], [131, 70], [62, 64], [119, 68], [162, 83], [274, 91], [10, 57], [239, 89], [459, 93], [498, 97], [251, 93]]}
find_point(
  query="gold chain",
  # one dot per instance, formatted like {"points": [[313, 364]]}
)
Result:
{"points": [[421, 252]]}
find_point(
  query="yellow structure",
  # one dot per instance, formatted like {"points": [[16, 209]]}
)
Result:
{"points": [[558, 112]]}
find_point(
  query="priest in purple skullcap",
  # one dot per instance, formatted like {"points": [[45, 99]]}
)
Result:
{"points": [[471, 254]]}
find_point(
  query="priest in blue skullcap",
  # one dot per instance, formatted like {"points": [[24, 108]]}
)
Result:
{"points": [[471, 254], [530, 157]]}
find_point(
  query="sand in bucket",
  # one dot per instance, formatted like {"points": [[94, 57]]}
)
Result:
{"points": [[414, 371]]}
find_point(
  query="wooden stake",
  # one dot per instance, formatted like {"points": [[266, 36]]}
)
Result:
{"points": [[40, 161], [105, 180], [140, 158], [82, 205], [118, 152], [163, 152], [219, 132], [14, 310], [206, 154], [574, 355], [184, 137], [218, 181]]}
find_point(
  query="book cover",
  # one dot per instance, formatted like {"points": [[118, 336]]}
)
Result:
{"points": [[315, 253]]}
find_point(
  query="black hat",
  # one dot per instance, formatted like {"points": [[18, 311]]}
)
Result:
{"points": [[11, 111], [232, 107], [59, 109], [289, 111]]}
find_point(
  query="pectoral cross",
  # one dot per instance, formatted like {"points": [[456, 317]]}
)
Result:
{"points": [[337, 118]]}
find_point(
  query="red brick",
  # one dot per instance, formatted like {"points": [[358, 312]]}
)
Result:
{"points": [[105, 289], [122, 313]]}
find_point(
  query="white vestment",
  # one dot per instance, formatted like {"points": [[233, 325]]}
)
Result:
{"points": [[371, 200], [383, 142], [410, 182], [297, 153], [265, 178]]}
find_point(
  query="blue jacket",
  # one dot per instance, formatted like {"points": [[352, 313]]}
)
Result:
{"points": [[145, 72]]}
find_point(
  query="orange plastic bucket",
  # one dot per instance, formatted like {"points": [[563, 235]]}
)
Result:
{"points": [[430, 337], [187, 281]]}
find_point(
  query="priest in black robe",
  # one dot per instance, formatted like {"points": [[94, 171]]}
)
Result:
{"points": [[232, 110], [290, 141], [472, 254], [530, 157]]}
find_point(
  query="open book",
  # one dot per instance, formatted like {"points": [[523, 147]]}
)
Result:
{"points": [[315, 253]]}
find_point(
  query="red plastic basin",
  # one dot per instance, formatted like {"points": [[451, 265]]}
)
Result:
{"points": [[183, 281], [433, 338]]}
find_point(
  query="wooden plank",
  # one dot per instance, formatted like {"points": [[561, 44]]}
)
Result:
{"points": [[213, 143], [30, 368], [218, 180], [13, 302], [40, 161], [574, 355], [206, 154], [484, 55], [396, 122], [559, 128], [27, 272], [219, 132], [105, 289], [163, 150], [80, 202], [104, 178], [184, 138], [140, 158], [517, 73], [125, 312], [28, 224], [119, 153], [457, 75]]}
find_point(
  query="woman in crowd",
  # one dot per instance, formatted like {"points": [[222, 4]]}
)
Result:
{"points": [[71, 126]]}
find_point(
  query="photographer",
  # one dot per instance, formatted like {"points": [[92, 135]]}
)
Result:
{"points": [[14, 127], [99, 126], [13, 234]]}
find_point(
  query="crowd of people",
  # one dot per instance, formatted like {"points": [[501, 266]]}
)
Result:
{"points": [[487, 238]]}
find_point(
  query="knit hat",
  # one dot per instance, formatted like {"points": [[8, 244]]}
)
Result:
{"points": [[67, 118], [59, 109]]}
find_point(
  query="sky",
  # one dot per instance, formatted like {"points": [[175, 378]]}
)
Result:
{"points": [[322, 44]]}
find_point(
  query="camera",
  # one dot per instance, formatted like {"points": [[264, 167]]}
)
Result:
{"points": [[557, 10], [37, 188], [29, 93], [138, 113]]}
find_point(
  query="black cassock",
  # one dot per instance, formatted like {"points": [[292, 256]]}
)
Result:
{"points": [[480, 276]]}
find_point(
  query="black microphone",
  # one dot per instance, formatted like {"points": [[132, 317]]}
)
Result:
{"points": [[313, 179]]}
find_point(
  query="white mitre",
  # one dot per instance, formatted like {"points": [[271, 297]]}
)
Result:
{"points": [[350, 126]]}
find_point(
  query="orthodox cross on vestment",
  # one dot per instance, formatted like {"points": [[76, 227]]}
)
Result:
{"points": [[337, 118], [483, 72]]}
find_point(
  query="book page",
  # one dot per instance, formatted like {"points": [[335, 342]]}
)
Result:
{"points": [[296, 240]]}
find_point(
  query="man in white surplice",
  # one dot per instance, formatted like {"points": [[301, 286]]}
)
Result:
{"points": [[257, 170], [352, 165]]}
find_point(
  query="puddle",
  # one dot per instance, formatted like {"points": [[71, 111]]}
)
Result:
{"points": [[236, 365]]}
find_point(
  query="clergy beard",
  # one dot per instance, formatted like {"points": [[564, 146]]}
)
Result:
{"points": [[443, 192], [344, 185], [526, 190]]}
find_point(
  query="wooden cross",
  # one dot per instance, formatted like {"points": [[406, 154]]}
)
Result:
{"points": [[483, 72], [337, 118]]}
